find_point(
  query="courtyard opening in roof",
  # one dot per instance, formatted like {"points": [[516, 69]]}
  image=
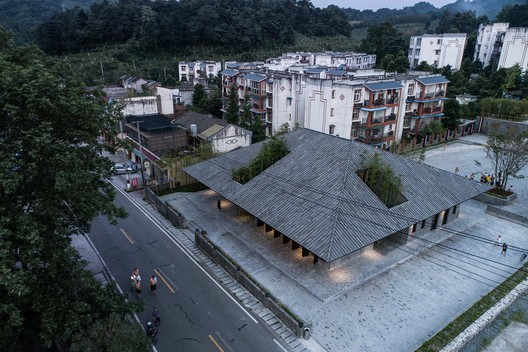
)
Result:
{"points": [[272, 151], [380, 178]]}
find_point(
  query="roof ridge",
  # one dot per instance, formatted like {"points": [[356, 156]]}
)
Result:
{"points": [[341, 200]]}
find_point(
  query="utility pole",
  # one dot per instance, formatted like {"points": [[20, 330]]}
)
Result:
{"points": [[140, 152]]}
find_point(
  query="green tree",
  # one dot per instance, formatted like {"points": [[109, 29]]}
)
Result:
{"points": [[383, 39], [272, 151], [198, 95], [382, 180], [258, 130], [52, 185], [452, 112], [246, 118], [232, 109], [508, 155]]}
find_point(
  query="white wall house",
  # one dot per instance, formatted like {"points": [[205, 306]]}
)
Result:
{"points": [[140, 106], [486, 38], [514, 48], [189, 71], [226, 138], [437, 50]]}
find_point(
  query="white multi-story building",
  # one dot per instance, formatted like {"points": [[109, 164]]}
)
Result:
{"points": [[514, 48], [486, 39], [502, 46], [190, 71], [438, 50], [330, 59], [375, 110]]}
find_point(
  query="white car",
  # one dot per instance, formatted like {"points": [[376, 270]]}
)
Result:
{"points": [[118, 169]]}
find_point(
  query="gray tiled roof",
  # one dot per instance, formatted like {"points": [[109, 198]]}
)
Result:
{"points": [[202, 122], [383, 85], [314, 196], [432, 80], [254, 77]]}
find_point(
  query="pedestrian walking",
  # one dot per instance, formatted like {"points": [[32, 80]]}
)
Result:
{"points": [[511, 189], [445, 146], [219, 205], [498, 242], [138, 289], [132, 281], [153, 284], [156, 315], [136, 273], [457, 170], [504, 248]]}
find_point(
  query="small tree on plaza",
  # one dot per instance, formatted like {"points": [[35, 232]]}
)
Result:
{"points": [[508, 155]]}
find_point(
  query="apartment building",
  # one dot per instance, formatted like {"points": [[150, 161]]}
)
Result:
{"points": [[514, 48], [438, 50], [486, 39], [192, 71], [375, 110], [343, 60]]}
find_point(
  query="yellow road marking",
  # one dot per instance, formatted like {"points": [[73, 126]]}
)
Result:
{"points": [[216, 344], [169, 286], [127, 236]]}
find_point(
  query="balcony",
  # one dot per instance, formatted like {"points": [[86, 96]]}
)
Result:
{"points": [[440, 93]]}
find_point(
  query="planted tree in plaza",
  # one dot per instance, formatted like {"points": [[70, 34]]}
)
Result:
{"points": [[52, 185], [508, 155]]}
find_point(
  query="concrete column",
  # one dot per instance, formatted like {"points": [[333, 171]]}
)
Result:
{"points": [[305, 252], [316, 259], [276, 233], [267, 228], [260, 223], [295, 245], [285, 239]]}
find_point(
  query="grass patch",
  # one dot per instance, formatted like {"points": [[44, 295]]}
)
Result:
{"points": [[453, 329]]}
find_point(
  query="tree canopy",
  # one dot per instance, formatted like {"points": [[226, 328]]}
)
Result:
{"points": [[171, 25], [52, 185]]}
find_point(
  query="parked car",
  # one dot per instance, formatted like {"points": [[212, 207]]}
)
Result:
{"points": [[118, 169]]}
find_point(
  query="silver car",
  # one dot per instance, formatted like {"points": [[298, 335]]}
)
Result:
{"points": [[118, 169]]}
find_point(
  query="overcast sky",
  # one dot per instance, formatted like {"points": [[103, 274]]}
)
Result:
{"points": [[377, 4]]}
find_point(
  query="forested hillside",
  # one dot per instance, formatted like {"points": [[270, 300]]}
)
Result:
{"points": [[243, 25], [21, 17]]}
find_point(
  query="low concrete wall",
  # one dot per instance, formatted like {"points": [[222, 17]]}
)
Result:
{"points": [[174, 217], [508, 215], [241, 277], [493, 200]]}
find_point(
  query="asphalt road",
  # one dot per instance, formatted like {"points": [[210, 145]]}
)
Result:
{"points": [[197, 314]]}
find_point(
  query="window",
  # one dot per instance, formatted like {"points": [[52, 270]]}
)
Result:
{"points": [[355, 115], [183, 68], [331, 111], [414, 228], [439, 41], [437, 52], [255, 87], [423, 224], [289, 117], [455, 209], [410, 89], [333, 94], [332, 129], [408, 106], [357, 95]]}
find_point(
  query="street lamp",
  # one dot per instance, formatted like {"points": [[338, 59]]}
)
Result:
{"points": [[140, 152]]}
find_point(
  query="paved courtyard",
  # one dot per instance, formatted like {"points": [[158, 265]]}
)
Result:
{"points": [[394, 301]]}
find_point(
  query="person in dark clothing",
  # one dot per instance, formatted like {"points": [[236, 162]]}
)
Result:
{"points": [[504, 248], [219, 205]]}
